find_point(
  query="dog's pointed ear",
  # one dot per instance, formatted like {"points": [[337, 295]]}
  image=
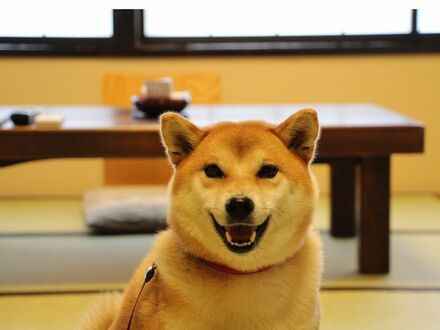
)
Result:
{"points": [[179, 136], [300, 133]]}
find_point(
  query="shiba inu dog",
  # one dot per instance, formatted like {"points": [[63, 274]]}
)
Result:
{"points": [[239, 252]]}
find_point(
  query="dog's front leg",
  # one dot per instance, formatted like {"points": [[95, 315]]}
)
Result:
{"points": [[139, 301]]}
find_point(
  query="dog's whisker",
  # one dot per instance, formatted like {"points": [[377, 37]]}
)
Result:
{"points": [[278, 214]]}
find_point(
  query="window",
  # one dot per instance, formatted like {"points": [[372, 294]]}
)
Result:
{"points": [[273, 27], [428, 21], [279, 28], [56, 23], [277, 19]]}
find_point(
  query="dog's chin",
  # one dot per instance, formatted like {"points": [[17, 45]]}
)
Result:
{"points": [[240, 238]]}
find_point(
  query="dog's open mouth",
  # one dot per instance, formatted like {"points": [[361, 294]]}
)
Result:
{"points": [[240, 238]]}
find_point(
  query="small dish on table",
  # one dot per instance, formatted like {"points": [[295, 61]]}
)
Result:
{"points": [[151, 108]]}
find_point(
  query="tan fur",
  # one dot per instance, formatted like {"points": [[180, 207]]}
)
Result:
{"points": [[186, 293], [101, 314]]}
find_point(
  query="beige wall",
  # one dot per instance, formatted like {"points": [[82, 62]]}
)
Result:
{"points": [[409, 84]]}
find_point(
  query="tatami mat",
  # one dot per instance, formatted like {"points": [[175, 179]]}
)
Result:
{"points": [[84, 260], [44, 248], [415, 212], [70, 260], [408, 212], [379, 310], [341, 310], [415, 262], [41, 215], [43, 312]]}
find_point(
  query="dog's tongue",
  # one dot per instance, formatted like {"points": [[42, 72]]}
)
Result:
{"points": [[241, 233]]}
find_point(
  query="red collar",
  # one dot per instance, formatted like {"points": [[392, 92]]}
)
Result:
{"points": [[230, 270]]}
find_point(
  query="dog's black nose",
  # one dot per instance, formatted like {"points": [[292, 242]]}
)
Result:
{"points": [[239, 207]]}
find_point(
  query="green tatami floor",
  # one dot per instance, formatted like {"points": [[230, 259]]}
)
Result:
{"points": [[51, 269]]}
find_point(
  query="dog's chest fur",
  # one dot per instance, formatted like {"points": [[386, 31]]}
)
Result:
{"points": [[277, 298]]}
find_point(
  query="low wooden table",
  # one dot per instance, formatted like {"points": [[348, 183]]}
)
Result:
{"points": [[357, 141]]}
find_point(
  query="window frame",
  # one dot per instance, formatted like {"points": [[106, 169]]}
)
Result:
{"points": [[121, 43], [128, 40]]}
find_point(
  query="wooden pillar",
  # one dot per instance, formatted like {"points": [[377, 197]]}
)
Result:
{"points": [[374, 215], [343, 198]]}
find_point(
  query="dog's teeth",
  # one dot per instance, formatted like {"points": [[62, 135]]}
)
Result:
{"points": [[241, 244], [230, 241]]}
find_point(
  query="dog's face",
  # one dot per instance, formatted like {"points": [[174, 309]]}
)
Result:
{"points": [[242, 193]]}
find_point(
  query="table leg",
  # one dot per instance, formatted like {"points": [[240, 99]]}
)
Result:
{"points": [[374, 215], [343, 198]]}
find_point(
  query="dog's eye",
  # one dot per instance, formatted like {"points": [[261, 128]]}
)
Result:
{"points": [[267, 172], [213, 171]]}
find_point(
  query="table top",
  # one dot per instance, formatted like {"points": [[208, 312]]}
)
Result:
{"points": [[348, 130], [330, 115]]}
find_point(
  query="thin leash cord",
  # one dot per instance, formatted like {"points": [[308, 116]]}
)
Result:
{"points": [[148, 276], [134, 307]]}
